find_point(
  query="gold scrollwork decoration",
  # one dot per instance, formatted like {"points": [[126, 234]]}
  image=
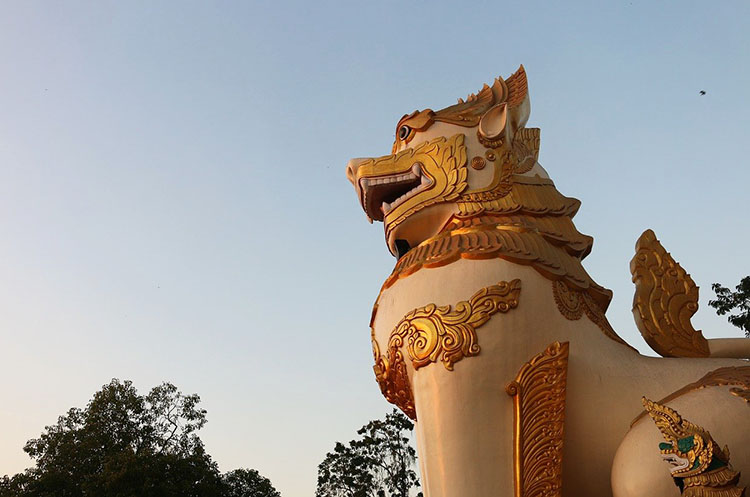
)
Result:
{"points": [[437, 333], [539, 413], [391, 375], [478, 163], [448, 334], [665, 299]]}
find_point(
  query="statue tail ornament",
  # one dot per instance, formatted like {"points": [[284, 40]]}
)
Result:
{"points": [[666, 297]]}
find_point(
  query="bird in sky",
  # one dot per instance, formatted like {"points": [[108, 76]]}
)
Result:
{"points": [[702, 92]]}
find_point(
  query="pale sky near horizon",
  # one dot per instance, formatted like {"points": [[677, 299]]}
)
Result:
{"points": [[173, 204]]}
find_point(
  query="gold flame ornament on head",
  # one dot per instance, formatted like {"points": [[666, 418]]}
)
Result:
{"points": [[491, 111], [699, 466]]}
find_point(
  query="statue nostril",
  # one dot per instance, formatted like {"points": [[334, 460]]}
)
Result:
{"points": [[351, 170]]}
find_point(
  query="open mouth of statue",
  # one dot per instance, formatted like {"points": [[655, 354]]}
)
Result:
{"points": [[382, 194]]}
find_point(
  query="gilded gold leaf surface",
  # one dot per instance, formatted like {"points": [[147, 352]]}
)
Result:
{"points": [[665, 299], [539, 415], [437, 333], [442, 161], [448, 334]]}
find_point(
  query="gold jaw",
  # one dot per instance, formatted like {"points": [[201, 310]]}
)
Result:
{"points": [[393, 187]]}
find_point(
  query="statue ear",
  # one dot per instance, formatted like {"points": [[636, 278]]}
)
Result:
{"points": [[492, 124]]}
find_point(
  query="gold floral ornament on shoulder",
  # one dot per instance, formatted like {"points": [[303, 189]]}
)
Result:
{"points": [[448, 334], [437, 333]]}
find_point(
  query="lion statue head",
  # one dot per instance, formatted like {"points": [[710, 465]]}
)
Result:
{"points": [[449, 163]]}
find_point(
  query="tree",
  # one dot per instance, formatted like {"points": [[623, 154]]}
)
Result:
{"points": [[378, 464], [727, 300], [248, 483], [125, 445]]}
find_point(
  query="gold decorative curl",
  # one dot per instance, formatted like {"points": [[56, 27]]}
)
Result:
{"points": [[539, 414], [448, 334], [478, 163], [437, 333], [665, 299]]}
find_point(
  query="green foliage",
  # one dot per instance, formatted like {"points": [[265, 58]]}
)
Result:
{"points": [[378, 464], [727, 300], [128, 445], [248, 483]]}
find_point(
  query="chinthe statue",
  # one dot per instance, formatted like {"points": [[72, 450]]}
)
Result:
{"points": [[491, 335]]}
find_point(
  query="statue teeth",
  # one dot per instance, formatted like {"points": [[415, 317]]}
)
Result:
{"points": [[425, 180], [386, 207], [416, 169]]}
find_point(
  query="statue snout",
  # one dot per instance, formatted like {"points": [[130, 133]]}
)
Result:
{"points": [[351, 169]]}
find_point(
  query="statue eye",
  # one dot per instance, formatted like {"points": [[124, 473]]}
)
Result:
{"points": [[403, 132]]}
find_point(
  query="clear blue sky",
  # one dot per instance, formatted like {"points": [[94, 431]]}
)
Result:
{"points": [[173, 204]]}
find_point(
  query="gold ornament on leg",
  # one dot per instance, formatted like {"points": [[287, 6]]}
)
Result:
{"points": [[539, 413]]}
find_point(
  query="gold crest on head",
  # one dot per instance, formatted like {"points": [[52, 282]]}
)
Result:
{"points": [[491, 109]]}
